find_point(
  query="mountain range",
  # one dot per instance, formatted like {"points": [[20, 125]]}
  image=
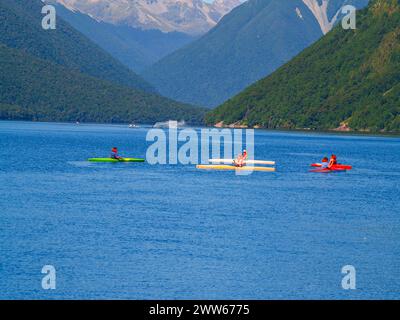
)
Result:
{"points": [[349, 80], [134, 47], [250, 42], [60, 75], [193, 17]]}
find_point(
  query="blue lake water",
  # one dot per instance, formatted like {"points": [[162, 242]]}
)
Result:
{"points": [[137, 231]]}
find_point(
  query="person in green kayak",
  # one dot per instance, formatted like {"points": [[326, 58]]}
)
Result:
{"points": [[114, 154], [240, 161]]}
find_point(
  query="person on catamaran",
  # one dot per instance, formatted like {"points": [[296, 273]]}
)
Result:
{"points": [[333, 161], [114, 154], [325, 163], [240, 160]]}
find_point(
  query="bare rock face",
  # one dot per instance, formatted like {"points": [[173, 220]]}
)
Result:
{"points": [[219, 124], [344, 127], [319, 9], [193, 17]]}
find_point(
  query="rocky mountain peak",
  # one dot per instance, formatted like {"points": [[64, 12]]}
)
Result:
{"points": [[189, 16]]}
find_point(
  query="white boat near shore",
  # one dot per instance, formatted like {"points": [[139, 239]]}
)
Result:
{"points": [[172, 124]]}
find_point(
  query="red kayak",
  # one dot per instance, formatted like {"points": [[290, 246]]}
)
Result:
{"points": [[334, 167], [328, 170]]}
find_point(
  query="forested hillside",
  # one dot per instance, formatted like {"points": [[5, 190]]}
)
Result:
{"points": [[248, 44], [348, 79], [60, 75], [21, 28], [35, 89]]}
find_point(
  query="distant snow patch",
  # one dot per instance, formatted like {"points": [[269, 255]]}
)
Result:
{"points": [[320, 12], [299, 14]]}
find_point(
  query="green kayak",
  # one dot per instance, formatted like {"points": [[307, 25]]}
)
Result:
{"points": [[115, 160]]}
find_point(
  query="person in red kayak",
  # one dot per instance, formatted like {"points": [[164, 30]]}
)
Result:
{"points": [[240, 160], [333, 161], [114, 154], [325, 163]]}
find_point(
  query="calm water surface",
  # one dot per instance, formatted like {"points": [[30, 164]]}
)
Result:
{"points": [[172, 232]]}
